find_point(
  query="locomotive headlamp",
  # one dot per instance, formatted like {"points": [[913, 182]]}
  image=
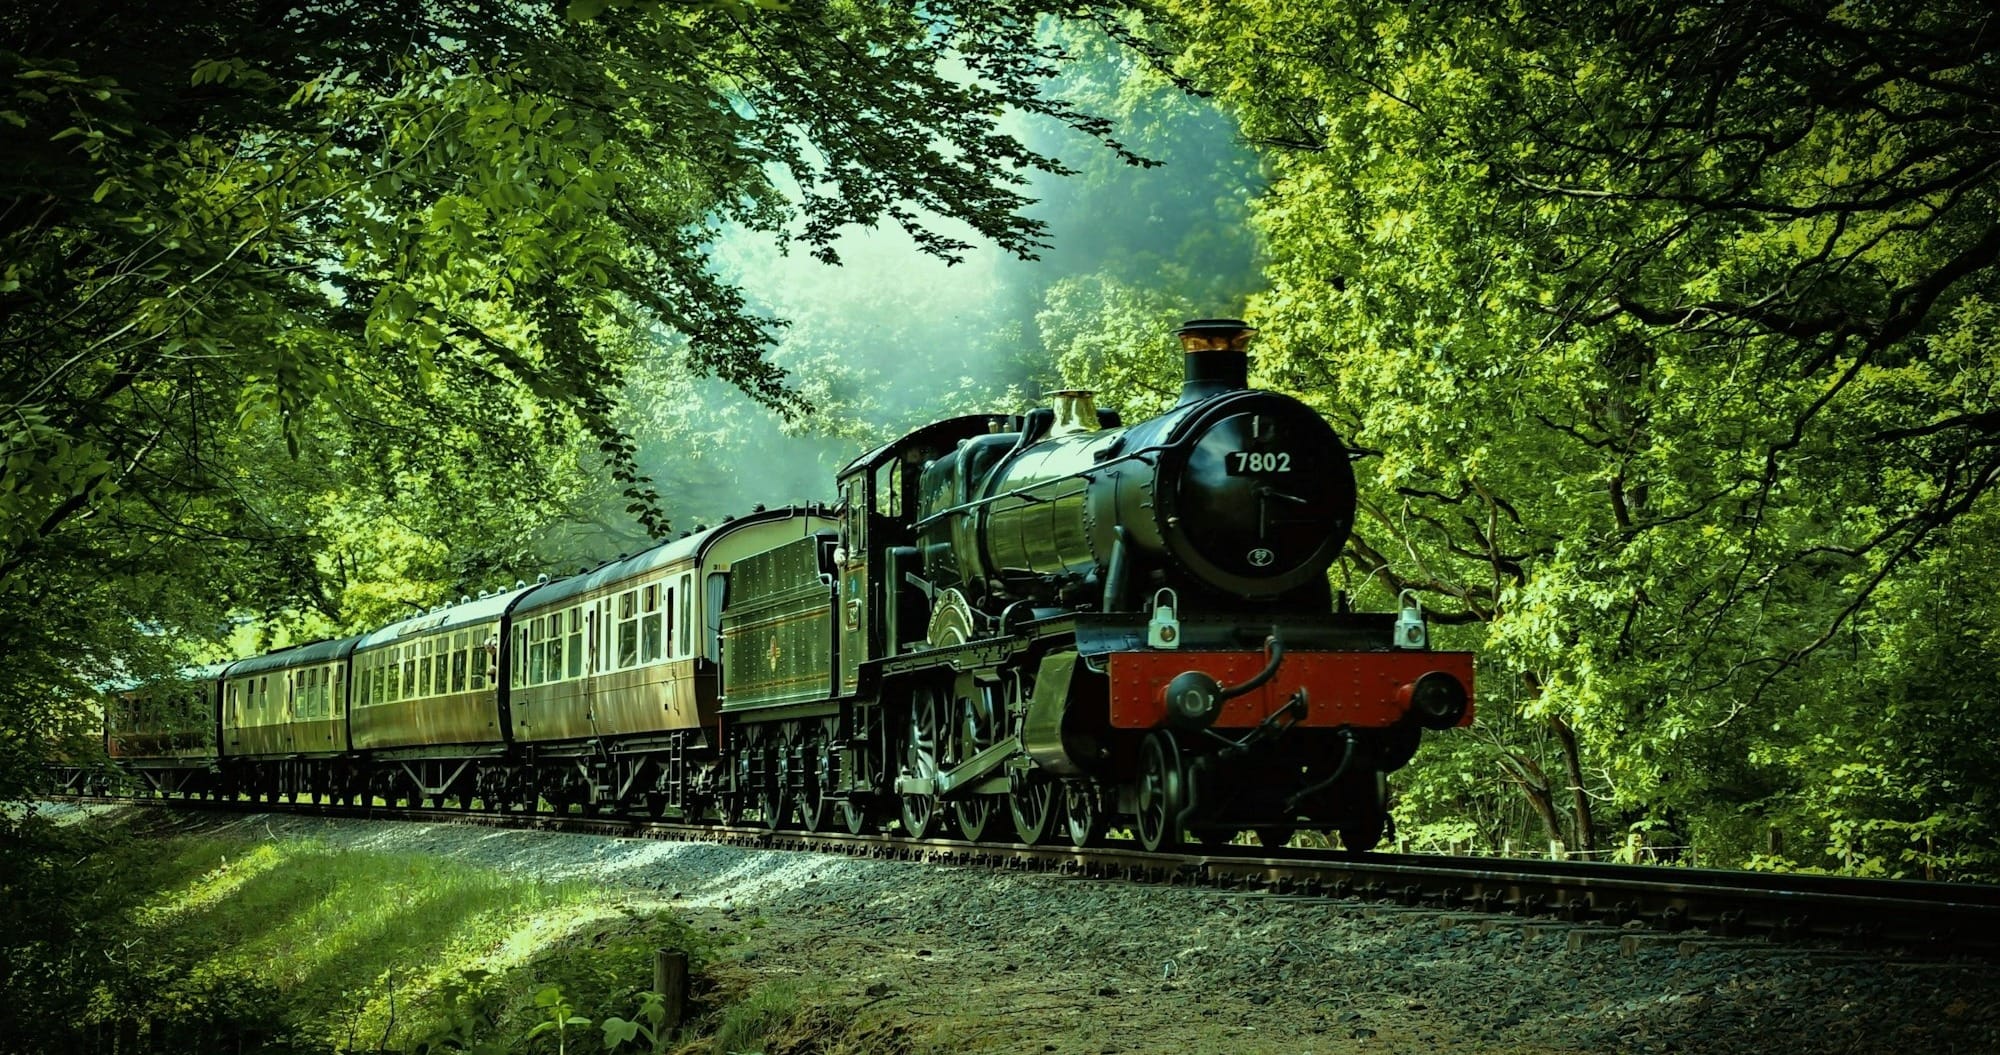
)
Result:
{"points": [[1437, 700], [1410, 622], [1164, 629]]}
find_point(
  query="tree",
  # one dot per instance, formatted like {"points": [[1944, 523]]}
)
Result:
{"points": [[273, 270], [1671, 325]]}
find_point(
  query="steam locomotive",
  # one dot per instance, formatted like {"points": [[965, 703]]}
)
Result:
{"points": [[1034, 626]]}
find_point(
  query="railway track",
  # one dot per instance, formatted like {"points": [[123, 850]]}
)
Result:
{"points": [[1910, 917]]}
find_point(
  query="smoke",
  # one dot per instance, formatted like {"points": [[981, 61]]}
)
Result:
{"points": [[893, 338]]}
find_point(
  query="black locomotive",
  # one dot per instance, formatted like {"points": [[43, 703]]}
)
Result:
{"points": [[1050, 623]]}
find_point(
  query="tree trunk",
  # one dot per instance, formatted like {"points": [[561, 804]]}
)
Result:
{"points": [[1535, 785], [1586, 838]]}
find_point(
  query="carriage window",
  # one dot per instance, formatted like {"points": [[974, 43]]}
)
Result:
{"points": [[518, 658], [459, 661], [687, 616], [649, 625], [667, 646], [551, 648], [576, 642], [628, 629], [485, 660], [535, 652]]}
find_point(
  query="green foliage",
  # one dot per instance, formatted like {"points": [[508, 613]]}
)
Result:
{"points": [[747, 1023], [325, 312], [204, 944], [558, 1017], [1672, 329], [650, 1027]]}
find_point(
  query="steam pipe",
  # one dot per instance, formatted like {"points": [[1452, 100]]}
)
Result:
{"points": [[1116, 571], [1274, 652]]}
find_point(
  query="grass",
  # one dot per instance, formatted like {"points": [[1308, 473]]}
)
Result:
{"points": [[230, 943], [296, 945]]}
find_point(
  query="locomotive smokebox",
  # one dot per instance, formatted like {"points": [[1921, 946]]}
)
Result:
{"points": [[1215, 359]]}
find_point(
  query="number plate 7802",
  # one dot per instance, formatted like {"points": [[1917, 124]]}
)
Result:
{"points": [[1257, 463]]}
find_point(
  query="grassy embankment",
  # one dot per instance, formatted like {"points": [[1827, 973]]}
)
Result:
{"points": [[176, 943]]}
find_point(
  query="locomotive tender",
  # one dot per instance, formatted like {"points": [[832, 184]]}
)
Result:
{"points": [[1047, 624]]}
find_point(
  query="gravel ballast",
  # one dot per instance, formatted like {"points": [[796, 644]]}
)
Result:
{"points": [[1025, 962]]}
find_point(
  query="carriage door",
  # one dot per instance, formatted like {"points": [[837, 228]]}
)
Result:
{"points": [[853, 615], [591, 635]]}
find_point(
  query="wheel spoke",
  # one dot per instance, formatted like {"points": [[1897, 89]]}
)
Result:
{"points": [[1084, 809], [920, 760], [1161, 794], [1035, 808]]}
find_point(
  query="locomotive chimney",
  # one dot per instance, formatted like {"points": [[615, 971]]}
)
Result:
{"points": [[1076, 411], [1216, 359]]}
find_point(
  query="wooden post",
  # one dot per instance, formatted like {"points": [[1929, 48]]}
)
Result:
{"points": [[670, 980]]}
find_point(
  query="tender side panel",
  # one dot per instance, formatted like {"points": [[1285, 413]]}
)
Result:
{"points": [[777, 629], [1360, 689]]}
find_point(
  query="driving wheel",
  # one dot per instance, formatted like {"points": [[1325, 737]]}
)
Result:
{"points": [[1162, 794], [920, 760], [1036, 807]]}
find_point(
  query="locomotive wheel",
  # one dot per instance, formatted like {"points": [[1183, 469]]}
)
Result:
{"points": [[816, 810], [1084, 813], [928, 724], [1036, 809], [975, 813], [1365, 818], [1273, 838], [1162, 794], [1363, 833], [774, 797], [1216, 836]]}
